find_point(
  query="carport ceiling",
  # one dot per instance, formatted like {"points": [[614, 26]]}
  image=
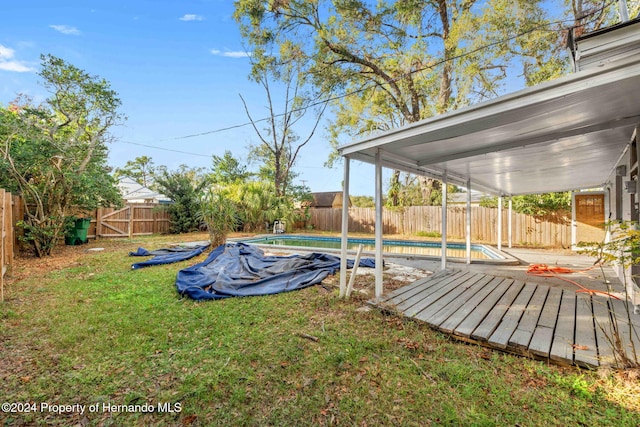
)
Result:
{"points": [[565, 134]]}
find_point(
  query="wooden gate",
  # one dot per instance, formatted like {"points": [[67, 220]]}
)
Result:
{"points": [[590, 217], [132, 220], [113, 223]]}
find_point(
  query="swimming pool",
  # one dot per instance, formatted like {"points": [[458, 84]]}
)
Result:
{"points": [[479, 253]]}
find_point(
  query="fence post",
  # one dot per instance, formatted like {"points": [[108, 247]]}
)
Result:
{"points": [[3, 236], [99, 213], [131, 210]]}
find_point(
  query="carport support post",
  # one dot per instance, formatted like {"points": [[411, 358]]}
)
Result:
{"points": [[443, 265], [510, 235], [379, 225], [345, 229], [468, 228], [500, 222]]}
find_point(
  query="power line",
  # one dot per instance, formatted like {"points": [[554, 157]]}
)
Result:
{"points": [[162, 148], [368, 86]]}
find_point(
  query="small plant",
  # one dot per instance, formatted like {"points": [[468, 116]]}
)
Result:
{"points": [[220, 215], [433, 234], [623, 250]]}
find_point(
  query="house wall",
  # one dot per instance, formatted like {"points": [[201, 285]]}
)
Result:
{"points": [[623, 206]]}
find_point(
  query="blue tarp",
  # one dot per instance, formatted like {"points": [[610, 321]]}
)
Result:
{"points": [[167, 255], [238, 269]]}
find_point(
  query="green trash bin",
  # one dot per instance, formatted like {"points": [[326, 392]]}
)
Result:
{"points": [[78, 234]]}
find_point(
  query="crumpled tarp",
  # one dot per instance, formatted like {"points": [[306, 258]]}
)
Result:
{"points": [[167, 255], [238, 269]]}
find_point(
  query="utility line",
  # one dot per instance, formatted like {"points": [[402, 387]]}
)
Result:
{"points": [[368, 86]]}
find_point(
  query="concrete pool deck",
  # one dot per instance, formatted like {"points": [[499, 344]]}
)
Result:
{"points": [[589, 276]]}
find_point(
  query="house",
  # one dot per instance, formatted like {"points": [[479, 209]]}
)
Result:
{"points": [[461, 198], [328, 199], [133, 192], [575, 132]]}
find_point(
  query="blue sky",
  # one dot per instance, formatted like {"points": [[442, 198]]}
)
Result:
{"points": [[178, 67]]}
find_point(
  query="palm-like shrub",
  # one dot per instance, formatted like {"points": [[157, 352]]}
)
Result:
{"points": [[219, 213]]}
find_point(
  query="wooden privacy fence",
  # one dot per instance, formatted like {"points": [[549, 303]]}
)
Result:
{"points": [[416, 220], [132, 220], [136, 219], [6, 236]]}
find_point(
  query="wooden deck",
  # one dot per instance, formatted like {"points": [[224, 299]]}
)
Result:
{"points": [[529, 319]]}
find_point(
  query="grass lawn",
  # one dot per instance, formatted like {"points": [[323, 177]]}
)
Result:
{"points": [[84, 329]]}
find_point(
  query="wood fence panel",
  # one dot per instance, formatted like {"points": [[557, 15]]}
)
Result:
{"points": [[6, 236], [132, 220], [526, 229]]}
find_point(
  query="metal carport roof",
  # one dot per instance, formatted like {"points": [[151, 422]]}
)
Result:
{"points": [[564, 134]]}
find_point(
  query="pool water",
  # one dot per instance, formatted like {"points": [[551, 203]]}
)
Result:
{"points": [[402, 247]]}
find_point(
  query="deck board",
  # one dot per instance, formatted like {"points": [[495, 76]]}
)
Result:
{"points": [[602, 323], [497, 313], [524, 331], [627, 326], [529, 319], [562, 346], [411, 292], [432, 293], [542, 338], [468, 305], [436, 315], [585, 352], [443, 296], [477, 315], [500, 337]]}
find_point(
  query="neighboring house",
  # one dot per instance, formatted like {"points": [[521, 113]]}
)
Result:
{"points": [[327, 199], [461, 198], [133, 192]]}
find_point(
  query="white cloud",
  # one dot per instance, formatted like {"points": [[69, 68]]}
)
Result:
{"points": [[66, 29], [231, 54], [6, 53], [7, 63], [192, 17]]}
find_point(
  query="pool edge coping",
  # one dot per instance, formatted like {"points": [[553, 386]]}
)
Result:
{"points": [[507, 259]]}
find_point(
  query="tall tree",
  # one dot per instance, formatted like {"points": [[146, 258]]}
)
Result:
{"points": [[141, 169], [280, 145], [55, 154], [228, 170], [396, 62], [184, 187]]}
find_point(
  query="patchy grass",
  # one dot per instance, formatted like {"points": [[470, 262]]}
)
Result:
{"points": [[83, 328]]}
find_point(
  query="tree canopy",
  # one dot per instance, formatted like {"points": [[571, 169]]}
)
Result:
{"points": [[386, 64], [55, 154]]}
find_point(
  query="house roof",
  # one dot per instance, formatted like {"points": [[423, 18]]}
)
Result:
{"points": [[326, 199], [132, 190], [561, 135]]}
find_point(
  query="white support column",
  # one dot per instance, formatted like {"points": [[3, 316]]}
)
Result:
{"points": [[500, 222], [509, 222], [378, 226], [443, 264], [345, 229], [468, 228]]}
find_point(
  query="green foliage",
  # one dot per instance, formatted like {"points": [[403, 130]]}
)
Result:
{"points": [[434, 234], [410, 190], [536, 204], [228, 170], [141, 170], [55, 154], [184, 187], [279, 144], [363, 201], [219, 213], [258, 204]]}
